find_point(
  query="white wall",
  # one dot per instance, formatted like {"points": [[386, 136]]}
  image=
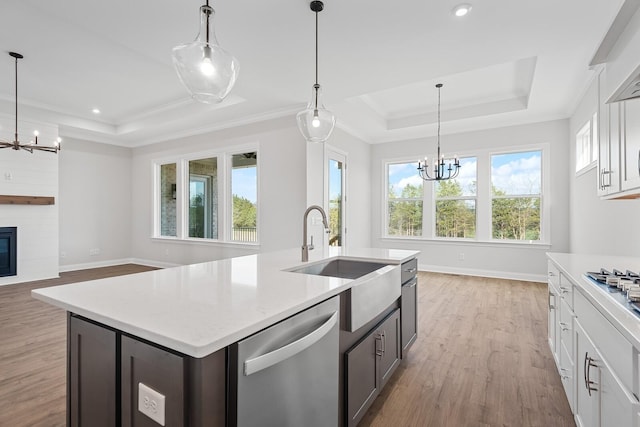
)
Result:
{"points": [[282, 176], [26, 174], [95, 204], [527, 262]]}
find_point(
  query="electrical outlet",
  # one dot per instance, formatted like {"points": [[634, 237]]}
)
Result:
{"points": [[94, 251], [8, 176], [63, 254], [151, 403], [461, 256]]}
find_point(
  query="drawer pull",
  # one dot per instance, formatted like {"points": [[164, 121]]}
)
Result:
{"points": [[551, 274], [564, 290], [411, 270], [564, 326], [589, 362]]}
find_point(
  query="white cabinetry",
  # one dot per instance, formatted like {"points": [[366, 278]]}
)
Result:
{"points": [[560, 328], [608, 142], [630, 144]]}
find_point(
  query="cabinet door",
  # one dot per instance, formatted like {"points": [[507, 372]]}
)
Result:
{"points": [[389, 330], [91, 374], [552, 323], [618, 407], [158, 369], [587, 410], [630, 144], [608, 142], [361, 376], [409, 314]]}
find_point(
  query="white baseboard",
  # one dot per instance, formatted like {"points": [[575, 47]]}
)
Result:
{"points": [[112, 262], [484, 273]]}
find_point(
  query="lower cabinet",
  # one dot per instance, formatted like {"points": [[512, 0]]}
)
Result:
{"points": [[369, 365], [409, 314], [601, 399], [118, 380], [92, 376]]}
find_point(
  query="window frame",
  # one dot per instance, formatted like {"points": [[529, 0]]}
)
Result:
{"points": [[483, 200], [589, 127], [225, 197], [422, 199], [434, 224]]}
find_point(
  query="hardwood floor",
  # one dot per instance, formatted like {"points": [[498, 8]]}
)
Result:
{"points": [[481, 357], [33, 351]]}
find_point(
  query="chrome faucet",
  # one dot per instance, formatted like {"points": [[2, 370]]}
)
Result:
{"points": [[306, 248]]}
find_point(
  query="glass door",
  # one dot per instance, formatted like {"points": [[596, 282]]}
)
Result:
{"points": [[336, 197]]}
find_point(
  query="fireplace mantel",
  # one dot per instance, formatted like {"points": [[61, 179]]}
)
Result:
{"points": [[26, 200]]}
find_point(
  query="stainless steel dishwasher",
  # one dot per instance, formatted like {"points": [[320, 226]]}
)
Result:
{"points": [[287, 374]]}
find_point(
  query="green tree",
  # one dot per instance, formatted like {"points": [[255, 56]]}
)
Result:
{"points": [[454, 217], [244, 212], [405, 216], [516, 218]]}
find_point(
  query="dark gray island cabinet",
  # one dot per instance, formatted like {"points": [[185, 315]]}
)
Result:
{"points": [[117, 379]]}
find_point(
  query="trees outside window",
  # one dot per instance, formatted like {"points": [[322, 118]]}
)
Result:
{"points": [[456, 202], [496, 197], [516, 180], [404, 200]]}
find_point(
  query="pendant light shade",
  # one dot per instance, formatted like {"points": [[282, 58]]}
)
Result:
{"points": [[207, 70], [316, 122]]}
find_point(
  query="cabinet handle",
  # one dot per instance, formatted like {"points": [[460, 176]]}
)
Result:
{"points": [[602, 174], [411, 270], [564, 326], [551, 274], [564, 290], [563, 374], [413, 285], [589, 362], [551, 305], [384, 342], [379, 352], [276, 356]]}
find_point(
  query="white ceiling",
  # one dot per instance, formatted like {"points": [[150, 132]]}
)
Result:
{"points": [[507, 62]]}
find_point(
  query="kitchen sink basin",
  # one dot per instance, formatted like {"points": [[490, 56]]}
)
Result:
{"points": [[375, 286], [342, 268]]}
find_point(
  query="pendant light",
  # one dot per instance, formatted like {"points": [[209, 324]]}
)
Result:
{"points": [[443, 168], [207, 70], [32, 145], [316, 122]]}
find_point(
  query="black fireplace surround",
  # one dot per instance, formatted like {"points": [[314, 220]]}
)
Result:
{"points": [[8, 251]]}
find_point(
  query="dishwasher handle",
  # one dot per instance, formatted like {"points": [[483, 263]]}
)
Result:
{"points": [[257, 364]]}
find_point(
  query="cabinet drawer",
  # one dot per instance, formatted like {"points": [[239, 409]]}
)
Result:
{"points": [[567, 375], [409, 270], [614, 348], [553, 275], [565, 324]]}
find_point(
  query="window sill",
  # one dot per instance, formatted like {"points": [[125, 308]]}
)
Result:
{"points": [[478, 243], [586, 168], [206, 242]]}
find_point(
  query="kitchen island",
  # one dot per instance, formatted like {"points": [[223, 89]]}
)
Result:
{"points": [[176, 328]]}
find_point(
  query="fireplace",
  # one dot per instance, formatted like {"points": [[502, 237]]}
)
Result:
{"points": [[8, 251]]}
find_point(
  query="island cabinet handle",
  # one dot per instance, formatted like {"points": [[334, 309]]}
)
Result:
{"points": [[411, 270], [267, 360]]}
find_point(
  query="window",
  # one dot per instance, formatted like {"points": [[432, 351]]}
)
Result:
{"points": [[516, 180], [244, 188], [405, 191], [203, 198], [498, 197], [168, 200], [336, 164], [587, 145], [209, 197], [456, 202]]}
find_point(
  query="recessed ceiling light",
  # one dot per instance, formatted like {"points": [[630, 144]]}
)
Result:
{"points": [[461, 9], [96, 111]]}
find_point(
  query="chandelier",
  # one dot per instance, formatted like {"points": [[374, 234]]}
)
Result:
{"points": [[442, 168], [32, 145], [316, 122], [207, 70]]}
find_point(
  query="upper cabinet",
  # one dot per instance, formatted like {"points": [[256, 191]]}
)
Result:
{"points": [[619, 118]]}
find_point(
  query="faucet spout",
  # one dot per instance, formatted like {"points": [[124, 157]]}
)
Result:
{"points": [[305, 246]]}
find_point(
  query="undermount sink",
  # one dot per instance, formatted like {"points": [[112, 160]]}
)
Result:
{"points": [[377, 287], [342, 268]]}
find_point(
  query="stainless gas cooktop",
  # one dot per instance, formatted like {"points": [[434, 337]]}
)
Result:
{"points": [[623, 287]]}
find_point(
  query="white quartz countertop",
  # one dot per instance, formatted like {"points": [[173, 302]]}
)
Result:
{"points": [[574, 266], [200, 308]]}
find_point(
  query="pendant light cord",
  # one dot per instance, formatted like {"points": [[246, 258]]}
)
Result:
{"points": [[208, 12], [439, 87], [316, 48], [16, 134]]}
